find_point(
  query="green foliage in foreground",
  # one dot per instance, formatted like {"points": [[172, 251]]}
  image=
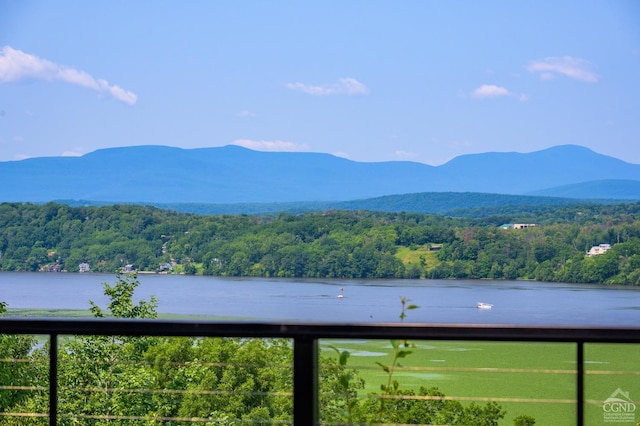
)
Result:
{"points": [[329, 244]]}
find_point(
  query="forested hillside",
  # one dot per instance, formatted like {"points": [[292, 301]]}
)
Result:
{"points": [[459, 204], [326, 244]]}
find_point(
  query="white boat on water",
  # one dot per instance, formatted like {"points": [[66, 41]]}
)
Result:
{"points": [[341, 295], [482, 305]]}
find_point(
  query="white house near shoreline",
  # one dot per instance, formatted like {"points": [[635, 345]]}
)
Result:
{"points": [[518, 225], [600, 249]]}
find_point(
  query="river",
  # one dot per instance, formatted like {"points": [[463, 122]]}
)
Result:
{"points": [[363, 301]]}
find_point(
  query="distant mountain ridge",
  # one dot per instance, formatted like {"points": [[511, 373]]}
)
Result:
{"points": [[606, 188], [232, 174]]}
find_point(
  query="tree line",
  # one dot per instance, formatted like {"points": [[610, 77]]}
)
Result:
{"points": [[326, 244]]}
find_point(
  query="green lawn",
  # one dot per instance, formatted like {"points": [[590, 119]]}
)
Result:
{"points": [[610, 367], [537, 379], [85, 313], [417, 255], [48, 313]]}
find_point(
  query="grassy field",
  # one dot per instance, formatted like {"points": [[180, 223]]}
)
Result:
{"points": [[418, 255], [537, 379], [610, 367], [48, 313], [80, 313]]}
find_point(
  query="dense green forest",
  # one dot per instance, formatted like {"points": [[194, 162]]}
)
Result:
{"points": [[327, 244], [460, 204]]}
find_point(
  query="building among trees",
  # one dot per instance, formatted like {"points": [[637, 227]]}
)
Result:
{"points": [[599, 249]]}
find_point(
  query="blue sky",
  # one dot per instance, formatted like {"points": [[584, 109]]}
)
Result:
{"points": [[422, 81]]}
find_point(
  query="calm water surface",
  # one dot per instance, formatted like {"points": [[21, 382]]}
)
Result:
{"points": [[440, 301]]}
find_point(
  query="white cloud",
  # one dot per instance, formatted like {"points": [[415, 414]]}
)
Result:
{"points": [[490, 91], [271, 145], [493, 91], [16, 65], [71, 154], [571, 67], [344, 86], [245, 113]]}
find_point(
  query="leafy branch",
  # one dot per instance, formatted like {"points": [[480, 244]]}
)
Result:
{"points": [[400, 350], [344, 380]]}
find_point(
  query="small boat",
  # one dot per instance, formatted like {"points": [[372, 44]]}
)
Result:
{"points": [[340, 296], [482, 305]]}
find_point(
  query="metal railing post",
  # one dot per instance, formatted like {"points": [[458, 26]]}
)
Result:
{"points": [[53, 379], [580, 384], [305, 381]]}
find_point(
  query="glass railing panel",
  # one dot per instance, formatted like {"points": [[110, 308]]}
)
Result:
{"points": [[436, 382], [24, 380], [174, 380], [612, 383]]}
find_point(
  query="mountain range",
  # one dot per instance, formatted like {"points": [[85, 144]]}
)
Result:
{"points": [[232, 174]]}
